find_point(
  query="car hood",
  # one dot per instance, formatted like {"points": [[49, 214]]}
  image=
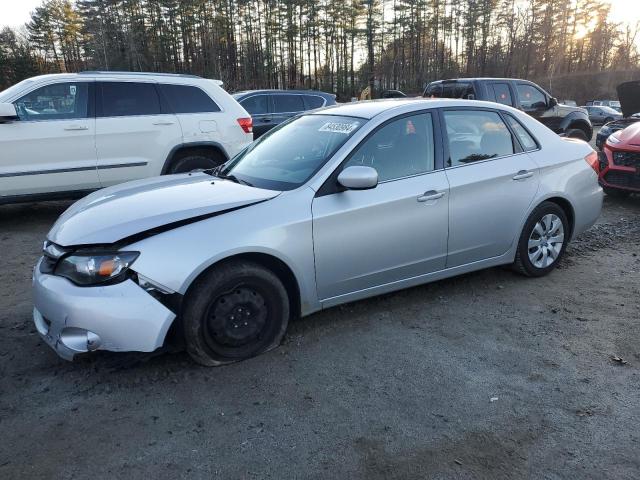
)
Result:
{"points": [[622, 123], [629, 96], [149, 206], [629, 137]]}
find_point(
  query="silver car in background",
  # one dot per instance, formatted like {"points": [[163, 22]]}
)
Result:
{"points": [[330, 207]]}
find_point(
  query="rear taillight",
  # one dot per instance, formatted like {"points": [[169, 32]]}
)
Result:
{"points": [[593, 161], [246, 124]]}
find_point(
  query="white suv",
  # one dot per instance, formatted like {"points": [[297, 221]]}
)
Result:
{"points": [[64, 135]]}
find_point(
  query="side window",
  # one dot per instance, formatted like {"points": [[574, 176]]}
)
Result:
{"points": [[399, 149], [526, 140], [502, 93], [314, 101], [476, 135], [287, 103], [433, 91], [256, 104], [531, 98], [59, 101], [187, 99], [121, 99]]}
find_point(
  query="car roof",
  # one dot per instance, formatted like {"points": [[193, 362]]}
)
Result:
{"points": [[370, 108], [472, 79], [115, 74], [278, 91]]}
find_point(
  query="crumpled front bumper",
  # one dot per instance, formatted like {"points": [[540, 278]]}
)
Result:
{"points": [[120, 317]]}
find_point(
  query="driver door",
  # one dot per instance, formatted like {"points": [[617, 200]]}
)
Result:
{"points": [[393, 232], [51, 148]]}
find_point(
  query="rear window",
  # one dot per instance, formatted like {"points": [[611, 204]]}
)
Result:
{"points": [[187, 99], [256, 104], [119, 99], [461, 90], [501, 93], [314, 101], [287, 103]]}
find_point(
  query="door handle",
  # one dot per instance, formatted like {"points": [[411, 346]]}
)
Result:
{"points": [[430, 195], [76, 127], [163, 123], [265, 120], [523, 174]]}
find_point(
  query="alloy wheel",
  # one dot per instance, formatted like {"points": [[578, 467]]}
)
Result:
{"points": [[546, 241]]}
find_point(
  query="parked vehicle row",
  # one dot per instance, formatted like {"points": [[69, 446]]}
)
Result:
{"points": [[379, 196]]}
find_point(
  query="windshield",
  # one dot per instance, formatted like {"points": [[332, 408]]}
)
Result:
{"points": [[290, 154], [8, 93]]}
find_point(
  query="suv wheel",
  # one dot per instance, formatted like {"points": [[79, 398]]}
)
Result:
{"points": [[616, 193], [195, 161], [543, 241], [577, 133], [236, 311]]}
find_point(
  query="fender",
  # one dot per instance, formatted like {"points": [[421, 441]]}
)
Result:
{"points": [[167, 162], [577, 117]]}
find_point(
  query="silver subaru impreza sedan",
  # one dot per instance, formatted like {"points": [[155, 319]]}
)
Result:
{"points": [[330, 207]]}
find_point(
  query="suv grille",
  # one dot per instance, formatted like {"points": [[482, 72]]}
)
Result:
{"points": [[626, 159], [623, 179]]}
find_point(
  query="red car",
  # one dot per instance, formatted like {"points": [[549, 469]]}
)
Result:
{"points": [[620, 156], [620, 162]]}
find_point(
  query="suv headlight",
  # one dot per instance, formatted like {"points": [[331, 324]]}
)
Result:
{"points": [[613, 139], [95, 268]]}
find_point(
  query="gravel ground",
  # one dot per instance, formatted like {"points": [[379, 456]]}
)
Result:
{"points": [[488, 375]]}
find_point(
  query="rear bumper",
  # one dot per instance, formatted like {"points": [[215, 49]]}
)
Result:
{"points": [[120, 317]]}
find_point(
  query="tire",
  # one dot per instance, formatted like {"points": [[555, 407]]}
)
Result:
{"points": [[616, 193], [215, 328], [577, 133], [194, 162], [533, 262]]}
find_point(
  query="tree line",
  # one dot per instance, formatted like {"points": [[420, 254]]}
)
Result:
{"points": [[339, 46]]}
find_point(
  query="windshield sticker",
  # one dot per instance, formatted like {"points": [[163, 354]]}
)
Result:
{"points": [[337, 127]]}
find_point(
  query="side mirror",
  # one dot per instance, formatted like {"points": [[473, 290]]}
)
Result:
{"points": [[8, 112], [553, 101], [358, 178]]}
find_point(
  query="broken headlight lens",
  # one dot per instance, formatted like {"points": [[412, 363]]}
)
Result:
{"points": [[95, 268]]}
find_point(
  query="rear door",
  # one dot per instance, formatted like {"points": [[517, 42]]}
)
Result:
{"points": [[51, 148], [134, 136], [492, 183]]}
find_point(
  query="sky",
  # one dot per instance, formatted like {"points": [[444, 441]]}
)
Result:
{"points": [[14, 13]]}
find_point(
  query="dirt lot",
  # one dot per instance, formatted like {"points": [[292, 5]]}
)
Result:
{"points": [[489, 375]]}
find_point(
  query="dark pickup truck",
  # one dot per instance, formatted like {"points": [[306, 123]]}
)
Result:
{"points": [[522, 94]]}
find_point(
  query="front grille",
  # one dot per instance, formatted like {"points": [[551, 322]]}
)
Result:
{"points": [[623, 179], [626, 159]]}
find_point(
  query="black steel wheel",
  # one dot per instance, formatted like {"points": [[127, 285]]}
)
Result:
{"points": [[235, 311]]}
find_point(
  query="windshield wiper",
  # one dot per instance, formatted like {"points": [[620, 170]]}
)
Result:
{"points": [[217, 172]]}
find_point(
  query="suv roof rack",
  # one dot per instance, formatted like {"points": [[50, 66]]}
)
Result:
{"points": [[102, 72]]}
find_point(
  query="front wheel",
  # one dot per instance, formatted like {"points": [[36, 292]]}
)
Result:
{"points": [[577, 133], [235, 311], [543, 241]]}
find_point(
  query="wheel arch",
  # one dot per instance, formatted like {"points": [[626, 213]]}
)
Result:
{"points": [[181, 150], [276, 265], [566, 207]]}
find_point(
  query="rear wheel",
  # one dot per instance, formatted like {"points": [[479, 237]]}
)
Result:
{"points": [[235, 311], [616, 192], [577, 133], [543, 240], [195, 161]]}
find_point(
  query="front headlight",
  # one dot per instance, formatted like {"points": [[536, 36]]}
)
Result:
{"points": [[613, 139], [95, 268]]}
